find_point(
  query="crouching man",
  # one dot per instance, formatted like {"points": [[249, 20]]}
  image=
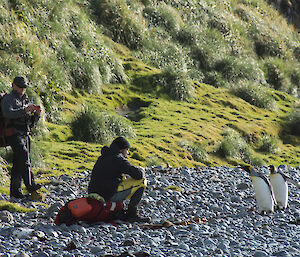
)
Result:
{"points": [[108, 178]]}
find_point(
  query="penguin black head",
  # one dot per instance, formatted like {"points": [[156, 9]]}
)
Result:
{"points": [[247, 168], [272, 168]]}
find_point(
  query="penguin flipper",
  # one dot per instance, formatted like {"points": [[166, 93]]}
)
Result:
{"points": [[285, 177], [270, 188]]}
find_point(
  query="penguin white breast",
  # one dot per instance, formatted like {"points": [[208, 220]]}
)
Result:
{"points": [[263, 195], [280, 189]]}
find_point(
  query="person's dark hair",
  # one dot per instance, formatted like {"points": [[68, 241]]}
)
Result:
{"points": [[121, 143]]}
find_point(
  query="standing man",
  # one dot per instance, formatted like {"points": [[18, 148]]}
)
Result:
{"points": [[20, 116], [108, 178]]}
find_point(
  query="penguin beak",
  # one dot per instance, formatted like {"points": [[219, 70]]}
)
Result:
{"points": [[246, 168], [271, 168]]}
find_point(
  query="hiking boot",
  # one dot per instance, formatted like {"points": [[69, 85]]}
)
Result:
{"points": [[34, 188], [133, 216], [36, 196], [138, 219]]}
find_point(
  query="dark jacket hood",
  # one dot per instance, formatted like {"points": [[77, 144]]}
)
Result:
{"points": [[112, 150]]}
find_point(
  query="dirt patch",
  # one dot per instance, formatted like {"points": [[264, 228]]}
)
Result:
{"points": [[132, 110]]}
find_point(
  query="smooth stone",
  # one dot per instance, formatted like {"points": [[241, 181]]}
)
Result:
{"points": [[184, 247], [6, 216], [281, 254], [22, 254], [209, 242], [22, 232], [96, 249], [41, 254], [260, 254], [222, 246], [235, 199], [242, 186]]}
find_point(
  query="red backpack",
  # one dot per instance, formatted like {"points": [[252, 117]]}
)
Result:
{"points": [[89, 210], [4, 130]]}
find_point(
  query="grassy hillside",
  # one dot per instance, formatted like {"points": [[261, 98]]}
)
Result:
{"points": [[190, 83]]}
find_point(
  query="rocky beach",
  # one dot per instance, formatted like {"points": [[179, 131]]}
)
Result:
{"points": [[205, 211]]}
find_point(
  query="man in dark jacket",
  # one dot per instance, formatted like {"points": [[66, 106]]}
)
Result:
{"points": [[20, 116], [108, 178]]}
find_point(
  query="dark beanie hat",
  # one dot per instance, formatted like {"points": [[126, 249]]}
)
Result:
{"points": [[20, 82], [121, 142]]}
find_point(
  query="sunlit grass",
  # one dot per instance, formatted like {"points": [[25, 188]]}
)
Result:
{"points": [[69, 52], [13, 207]]}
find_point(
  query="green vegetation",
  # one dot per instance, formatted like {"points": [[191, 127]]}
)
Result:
{"points": [[235, 147], [3, 173], [269, 144], [89, 126], [12, 207], [254, 94], [294, 122], [197, 151], [188, 82]]}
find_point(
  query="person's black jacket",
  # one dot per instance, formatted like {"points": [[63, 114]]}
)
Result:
{"points": [[108, 170], [13, 109]]}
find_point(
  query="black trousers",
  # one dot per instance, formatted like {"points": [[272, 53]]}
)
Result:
{"points": [[134, 201], [21, 168]]}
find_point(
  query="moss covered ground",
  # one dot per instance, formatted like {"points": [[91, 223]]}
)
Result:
{"points": [[161, 124]]}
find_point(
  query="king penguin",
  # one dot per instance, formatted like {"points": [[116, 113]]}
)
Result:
{"points": [[279, 182], [263, 190]]}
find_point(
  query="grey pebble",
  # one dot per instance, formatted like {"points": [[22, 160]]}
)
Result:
{"points": [[260, 254], [22, 254], [6, 216], [222, 195], [282, 254]]}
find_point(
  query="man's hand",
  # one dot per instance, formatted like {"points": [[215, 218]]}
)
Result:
{"points": [[32, 108], [37, 110]]}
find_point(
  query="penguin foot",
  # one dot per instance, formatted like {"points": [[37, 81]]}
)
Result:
{"points": [[252, 209], [280, 208], [265, 212]]}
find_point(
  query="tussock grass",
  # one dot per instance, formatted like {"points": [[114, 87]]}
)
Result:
{"points": [[209, 50], [225, 48], [186, 36], [163, 15], [264, 43], [235, 147], [176, 84], [57, 46], [233, 70], [282, 75], [269, 144], [294, 122], [37, 155], [89, 126], [254, 94], [122, 24], [197, 150]]}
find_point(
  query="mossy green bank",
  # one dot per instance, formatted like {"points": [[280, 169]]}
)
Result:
{"points": [[187, 76], [161, 124]]}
